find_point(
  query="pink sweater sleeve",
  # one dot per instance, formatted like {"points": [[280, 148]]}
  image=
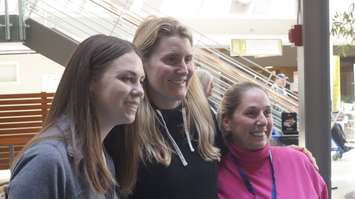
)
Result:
{"points": [[305, 175], [296, 177]]}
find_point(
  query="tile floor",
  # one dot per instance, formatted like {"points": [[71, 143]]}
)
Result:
{"points": [[4, 176], [343, 176]]}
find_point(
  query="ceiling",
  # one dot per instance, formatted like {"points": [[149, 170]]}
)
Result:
{"points": [[223, 20]]}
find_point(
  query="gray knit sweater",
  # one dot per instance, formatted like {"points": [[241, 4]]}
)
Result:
{"points": [[45, 171]]}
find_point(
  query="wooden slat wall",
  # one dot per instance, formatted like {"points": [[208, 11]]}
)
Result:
{"points": [[21, 117]]}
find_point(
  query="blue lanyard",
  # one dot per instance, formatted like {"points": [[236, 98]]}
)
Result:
{"points": [[246, 180]]}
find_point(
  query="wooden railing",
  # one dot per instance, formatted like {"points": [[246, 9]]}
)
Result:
{"points": [[21, 117]]}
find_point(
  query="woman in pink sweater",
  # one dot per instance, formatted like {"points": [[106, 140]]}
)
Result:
{"points": [[252, 168]]}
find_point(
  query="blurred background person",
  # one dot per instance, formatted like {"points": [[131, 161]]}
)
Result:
{"points": [[280, 84], [206, 80]]}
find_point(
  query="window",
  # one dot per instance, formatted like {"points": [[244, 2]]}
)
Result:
{"points": [[8, 73]]}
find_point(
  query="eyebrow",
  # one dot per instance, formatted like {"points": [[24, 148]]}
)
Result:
{"points": [[177, 51], [254, 107], [130, 72]]}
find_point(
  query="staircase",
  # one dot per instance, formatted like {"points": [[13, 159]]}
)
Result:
{"points": [[55, 27]]}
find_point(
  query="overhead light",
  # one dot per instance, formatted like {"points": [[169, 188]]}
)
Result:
{"points": [[256, 47], [8, 72], [269, 67], [244, 1]]}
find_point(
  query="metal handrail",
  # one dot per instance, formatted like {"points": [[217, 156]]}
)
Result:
{"points": [[7, 22], [267, 79], [118, 20]]}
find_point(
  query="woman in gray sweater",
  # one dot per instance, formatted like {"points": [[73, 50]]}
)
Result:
{"points": [[100, 88]]}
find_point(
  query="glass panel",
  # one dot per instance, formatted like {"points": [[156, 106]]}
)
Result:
{"points": [[8, 73]]}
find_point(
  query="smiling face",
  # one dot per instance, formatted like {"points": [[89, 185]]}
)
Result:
{"points": [[251, 122], [169, 69], [118, 91]]}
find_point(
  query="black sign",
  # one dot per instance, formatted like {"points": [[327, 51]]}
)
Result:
{"points": [[289, 123]]}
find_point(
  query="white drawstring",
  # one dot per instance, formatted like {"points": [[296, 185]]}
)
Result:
{"points": [[176, 147], [187, 132]]}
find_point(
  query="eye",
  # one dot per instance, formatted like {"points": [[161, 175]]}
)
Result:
{"points": [[141, 80], [128, 79], [188, 59], [267, 113], [171, 60], [251, 114]]}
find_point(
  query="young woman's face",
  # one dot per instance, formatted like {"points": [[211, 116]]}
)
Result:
{"points": [[251, 123], [169, 69], [118, 91]]}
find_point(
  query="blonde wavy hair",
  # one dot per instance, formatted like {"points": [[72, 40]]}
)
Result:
{"points": [[199, 116]]}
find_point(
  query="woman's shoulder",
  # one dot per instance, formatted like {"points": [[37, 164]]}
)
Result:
{"points": [[44, 164], [288, 157], [47, 147], [45, 153], [285, 152]]}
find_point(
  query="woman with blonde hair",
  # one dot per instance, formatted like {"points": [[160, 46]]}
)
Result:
{"points": [[178, 132], [179, 157], [100, 88]]}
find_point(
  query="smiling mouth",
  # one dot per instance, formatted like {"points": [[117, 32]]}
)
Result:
{"points": [[132, 105], [178, 82], [258, 134]]}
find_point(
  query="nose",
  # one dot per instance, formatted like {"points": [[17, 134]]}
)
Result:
{"points": [[138, 90], [184, 68], [261, 120]]}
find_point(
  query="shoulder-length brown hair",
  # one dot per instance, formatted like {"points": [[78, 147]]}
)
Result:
{"points": [[75, 100]]}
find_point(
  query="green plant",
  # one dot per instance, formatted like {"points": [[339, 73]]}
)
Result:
{"points": [[343, 26]]}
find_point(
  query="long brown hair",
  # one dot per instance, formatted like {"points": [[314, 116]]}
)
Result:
{"points": [[75, 100], [155, 147]]}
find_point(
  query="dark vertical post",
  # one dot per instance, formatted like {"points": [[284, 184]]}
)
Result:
{"points": [[315, 100]]}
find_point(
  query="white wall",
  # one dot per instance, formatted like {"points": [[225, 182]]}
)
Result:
{"points": [[32, 69]]}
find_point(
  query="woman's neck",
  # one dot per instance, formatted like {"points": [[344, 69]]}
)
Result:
{"points": [[162, 101], [105, 127], [249, 157], [104, 130], [165, 103]]}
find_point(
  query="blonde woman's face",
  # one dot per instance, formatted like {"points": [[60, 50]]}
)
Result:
{"points": [[169, 70], [251, 123]]}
